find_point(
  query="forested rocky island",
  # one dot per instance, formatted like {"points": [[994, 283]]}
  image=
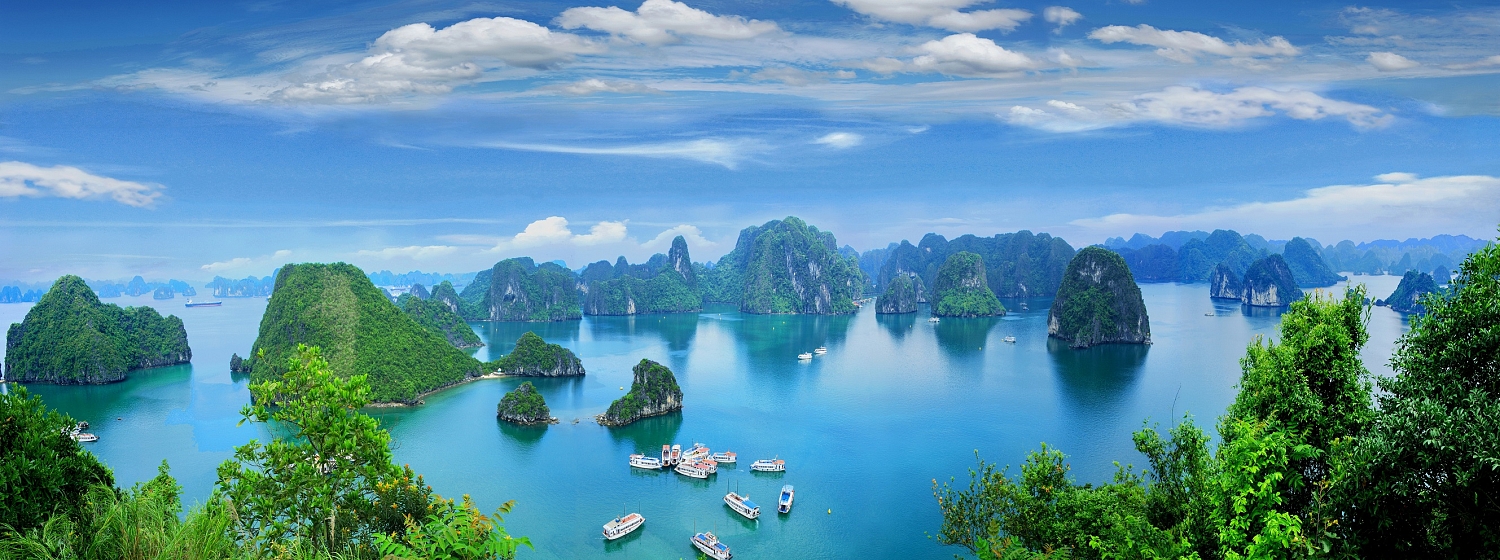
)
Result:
{"points": [[524, 406], [70, 337], [1098, 303], [785, 266], [653, 392], [1408, 295], [438, 316], [534, 357], [1020, 264], [664, 284], [337, 308], [961, 289], [520, 290], [900, 295], [1267, 282]]}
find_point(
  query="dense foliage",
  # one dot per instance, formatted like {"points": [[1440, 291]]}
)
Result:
{"points": [[335, 307], [43, 471], [786, 266], [524, 405], [961, 289], [664, 284], [1017, 264], [71, 337], [439, 318], [1098, 302], [1307, 264], [1409, 293], [900, 295], [1197, 257], [653, 391], [1311, 464], [520, 290], [534, 356]]}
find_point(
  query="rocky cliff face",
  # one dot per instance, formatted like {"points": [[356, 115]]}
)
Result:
{"points": [[445, 294], [70, 337], [653, 392], [519, 290], [1409, 292], [1269, 283], [788, 266], [681, 263], [962, 290], [1098, 303], [664, 284], [1018, 264], [534, 357], [524, 406], [1225, 283], [900, 295], [1307, 264]]}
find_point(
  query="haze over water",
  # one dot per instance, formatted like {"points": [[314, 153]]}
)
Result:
{"points": [[896, 403]]}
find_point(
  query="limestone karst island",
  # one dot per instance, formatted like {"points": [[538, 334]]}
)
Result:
{"points": [[682, 279]]}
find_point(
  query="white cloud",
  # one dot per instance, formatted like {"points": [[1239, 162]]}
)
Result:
{"points": [[554, 230], [1481, 63], [728, 153], [1390, 62], [418, 59], [1186, 46], [942, 14], [1180, 105], [840, 140], [19, 179], [412, 252], [659, 22], [1406, 206], [1061, 16], [965, 54], [594, 85], [239, 263], [691, 234], [793, 76]]}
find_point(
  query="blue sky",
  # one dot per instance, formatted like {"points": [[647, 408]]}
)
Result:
{"points": [[195, 139]]}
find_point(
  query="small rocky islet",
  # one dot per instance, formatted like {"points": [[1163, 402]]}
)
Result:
{"points": [[1098, 303], [525, 406], [1408, 295], [653, 392], [961, 289], [534, 357]]}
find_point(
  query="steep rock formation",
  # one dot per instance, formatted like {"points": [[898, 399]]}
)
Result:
{"points": [[653, 392], [900, 295], [69, 337], [1098, 303], [1197, 258], [361, 332], [1409, 292], [520, 290], [534, 357], [1269, 283], [445, 294], [438, 317], [664, 284], [1225, 283], [1307, 264], [419, 292], [961, 289], [524, 406], [786, 266], [1152, 263], [1018, 264]]}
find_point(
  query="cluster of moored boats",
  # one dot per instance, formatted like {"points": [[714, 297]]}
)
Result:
{"points": [[78, 434], [819, 351], [699, 462]]}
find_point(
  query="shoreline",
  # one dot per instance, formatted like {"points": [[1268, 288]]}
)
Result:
{"points": [[419, 402]]}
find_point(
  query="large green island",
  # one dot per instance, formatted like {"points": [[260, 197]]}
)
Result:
{"points": [[71, 338], [785, 266], [1098, 303]]}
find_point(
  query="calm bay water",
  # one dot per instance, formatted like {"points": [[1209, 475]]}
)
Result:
{"points": [[896, 403]]}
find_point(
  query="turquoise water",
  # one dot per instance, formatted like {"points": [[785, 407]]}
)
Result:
{"points": [[896, 403]]}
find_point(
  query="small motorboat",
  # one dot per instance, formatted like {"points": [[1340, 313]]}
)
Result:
{"points": [[691, 471], [933, 319], [622, 526], [666, 455], [84, 438], [83, 425], [710, 545], [820, 350], [768, 465], [784, 503], [676, 454], [725, 457], [742, 505], [804, 356], [1010, 339], [643, 462], [1209, 314]]}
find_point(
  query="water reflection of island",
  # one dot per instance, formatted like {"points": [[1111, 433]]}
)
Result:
{"points": [[1095, 379], [676, 329], [777, 339], [897, 324], [647, 435], [960, 336]]}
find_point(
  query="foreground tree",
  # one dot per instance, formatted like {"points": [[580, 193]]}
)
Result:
{"points": [[43, 471]]}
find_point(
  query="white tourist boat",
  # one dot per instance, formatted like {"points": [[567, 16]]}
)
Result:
{"points": [[1010, 339], [676, 455], [643, 462], [710, 545], [804, 356], [768, 465], [820, 350], [725, 457], [709, 465], [691, 470], [697, 453], [84, 437], [742, 505], [784, 502], [933, 319], [622, 526]]}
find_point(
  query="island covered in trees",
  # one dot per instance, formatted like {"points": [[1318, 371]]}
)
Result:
{"points": [[1098, 303], [70, 337], [653, 392]]}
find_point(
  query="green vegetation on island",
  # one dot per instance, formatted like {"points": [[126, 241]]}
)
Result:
{"points": [[1307, 265], [520, 290], [1098, 303], [534, 357], [337, 308], [1269, 283], [439, 318], [1018, 264], [665, 284], [785, 266], [900, 295], [70, 337], [43, 471], [1408, 295], [653, 392], [961, 289], [524, 405]]}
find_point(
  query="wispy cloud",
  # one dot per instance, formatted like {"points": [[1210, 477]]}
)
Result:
{"points": [[942, 14], [1188, 106], [410, 252], [18, 179], [726, 152], [840, 140], [659, 22], [240, 263]]}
